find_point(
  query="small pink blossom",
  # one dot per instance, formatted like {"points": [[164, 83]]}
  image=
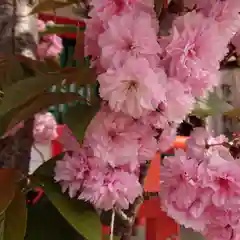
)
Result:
{"points": [[113, 139], [71, 172], [223, 178], [223, 224], [50, 46], [225, 13], [200, 140], [181, 196], [108, 8], [135, 88], [197, 143], [179, 101], [167, 137], [147, 138], [45, 127], [112, 189], [94, 27], [124, 38], [189, 57], [41, 25], [216, 232], [155, 119]]}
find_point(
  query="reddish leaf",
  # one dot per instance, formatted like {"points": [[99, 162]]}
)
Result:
{"points": [[8, 179]]}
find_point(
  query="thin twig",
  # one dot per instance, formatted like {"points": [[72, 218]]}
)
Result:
{"points": [[122, 215], [112, 225], [230, 54]]}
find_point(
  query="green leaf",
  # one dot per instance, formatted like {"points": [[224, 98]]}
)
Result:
{"points": [[53, 63], [107, 237], [36, 67], [11, 70], [51, 5], [211, 106], [5, 120], [15, 218], [7, 187], [81, 75], [79, 214], [78, 118], [42, 102], [79, 46], [21, 92], [59, 29]]}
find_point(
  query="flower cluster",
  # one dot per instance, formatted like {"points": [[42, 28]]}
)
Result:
{"points": [[200, 187], [104, 170], [49, 45], [225, 13], [149, 84], [44, 128]]}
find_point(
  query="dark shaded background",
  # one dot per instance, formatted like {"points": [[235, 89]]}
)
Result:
{"points": [[46, 223]]}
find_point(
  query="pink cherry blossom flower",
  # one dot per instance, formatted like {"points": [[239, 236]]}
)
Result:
{"points": [[124, 38], [167, 137], [197, 143], [209, 176], [223, 216], [71, 172], [179, 101], [181, 196], [147, 139], [45, 127], [113, 139], [94, 27], [41, 25], [225, 13], [222, 224], [223, 178], [216, 232], [191, 59], [201, 143], [155, 119], [108, 8], [50, 46], [112, 189], [135, 88]]}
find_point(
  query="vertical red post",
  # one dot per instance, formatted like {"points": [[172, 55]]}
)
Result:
{"points": [[56, 146], [158, 225]]}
